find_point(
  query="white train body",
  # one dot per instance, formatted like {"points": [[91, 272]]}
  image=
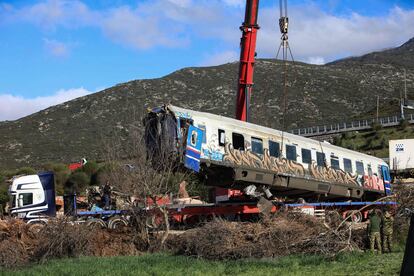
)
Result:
{"points": [[232, 153]]}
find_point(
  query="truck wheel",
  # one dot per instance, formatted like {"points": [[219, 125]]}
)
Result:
{"points": [[96, 223], [36, 227], [116, 223]]}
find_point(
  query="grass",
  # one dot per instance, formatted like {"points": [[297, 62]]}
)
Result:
{"points": [[374, 142], [164, 264]]}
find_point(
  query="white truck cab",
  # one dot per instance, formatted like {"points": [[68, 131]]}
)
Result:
{"points": [[33, 197]]}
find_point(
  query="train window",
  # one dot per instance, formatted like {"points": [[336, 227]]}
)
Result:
{"points": [[257, 145], [347, 165], [203, 128], [274, 149], [193, 138], [359, 167], [306, 156], [379, 172], [238, 141], [335, 163], [320, 159], [291, 152], [369, 170], [222, 137]]}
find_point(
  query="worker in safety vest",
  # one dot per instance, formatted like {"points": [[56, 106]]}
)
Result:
{"points": [[374, 231], [387, 230]]}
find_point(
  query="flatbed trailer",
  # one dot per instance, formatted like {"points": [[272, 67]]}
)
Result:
{"points": [[190, 215], [41, 186]]}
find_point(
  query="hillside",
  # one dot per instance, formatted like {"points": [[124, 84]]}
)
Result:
{"points": [[317, 94], [402, 56], [374, 142]]}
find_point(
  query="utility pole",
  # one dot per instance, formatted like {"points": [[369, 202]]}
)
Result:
{"points": [[377, 108], [405, 84]]}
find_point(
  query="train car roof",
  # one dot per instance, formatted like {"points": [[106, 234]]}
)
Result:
{"points": [[188, 113]]}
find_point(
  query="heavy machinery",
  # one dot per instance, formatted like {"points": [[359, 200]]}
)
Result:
{"points": [[32, 196]]}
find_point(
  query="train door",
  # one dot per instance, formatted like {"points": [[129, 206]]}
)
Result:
{"points": [[193, 148], [387, 179]]}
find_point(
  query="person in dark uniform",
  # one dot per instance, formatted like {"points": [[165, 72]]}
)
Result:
{"points": [[106, 195]]}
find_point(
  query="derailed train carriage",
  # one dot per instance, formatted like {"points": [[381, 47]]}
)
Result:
{"points": [[239, 155]]}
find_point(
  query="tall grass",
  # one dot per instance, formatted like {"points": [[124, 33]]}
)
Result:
{"points": [[164, 264]]}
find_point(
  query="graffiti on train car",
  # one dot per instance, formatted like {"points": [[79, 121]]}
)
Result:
{"points": [[282, 165], [212, 151], [373, 182]]}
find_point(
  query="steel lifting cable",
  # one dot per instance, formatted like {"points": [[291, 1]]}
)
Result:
{"points": [[286, 51]]}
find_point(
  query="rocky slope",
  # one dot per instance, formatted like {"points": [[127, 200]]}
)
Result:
{"points": [[317, 94]]}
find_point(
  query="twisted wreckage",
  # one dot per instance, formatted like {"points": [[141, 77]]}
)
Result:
{"points": [[234, 154]]}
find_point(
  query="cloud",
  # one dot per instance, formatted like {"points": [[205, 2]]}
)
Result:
{"points": [[315, 33], [177, 23], [316, 60], [51, 14], [56, 48], [220, 58], [15, 107], [237, 3], [129, 27]]}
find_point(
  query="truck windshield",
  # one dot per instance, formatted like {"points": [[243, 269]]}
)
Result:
{"points": [[13, 201]]}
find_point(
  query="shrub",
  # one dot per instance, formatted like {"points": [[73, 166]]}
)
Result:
{"points": [[403, 124], [338, 141], [90, 168], [376, 126], [4, 195], [77, 182], [384, 143], [62, 174], [346, 135], [26, 170]]}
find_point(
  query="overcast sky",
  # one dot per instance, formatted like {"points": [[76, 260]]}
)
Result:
{"points": [[53, 51]]}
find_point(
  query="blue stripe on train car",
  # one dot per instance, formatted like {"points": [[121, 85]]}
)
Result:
{"points": [[387, 179]]}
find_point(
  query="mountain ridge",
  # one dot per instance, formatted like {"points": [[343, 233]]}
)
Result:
{"points": [[317, 94]]}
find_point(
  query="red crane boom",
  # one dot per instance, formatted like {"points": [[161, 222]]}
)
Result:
{"points": [[247, 54]]}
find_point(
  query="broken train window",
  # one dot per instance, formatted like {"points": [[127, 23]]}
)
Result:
{"points": [[221, 137], [238, 141]]}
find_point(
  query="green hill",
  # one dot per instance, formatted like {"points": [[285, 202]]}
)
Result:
{"points": [[339, 91]]}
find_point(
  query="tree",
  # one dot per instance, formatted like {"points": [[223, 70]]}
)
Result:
{"points": [[77, 182], [150, 175]]}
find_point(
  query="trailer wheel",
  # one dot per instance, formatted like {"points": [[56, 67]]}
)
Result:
{"points": [[356, 217], [96, 223], [36, 227], [116, 223]]}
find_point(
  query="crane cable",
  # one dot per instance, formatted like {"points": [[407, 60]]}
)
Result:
{"points": [[286, 51]]}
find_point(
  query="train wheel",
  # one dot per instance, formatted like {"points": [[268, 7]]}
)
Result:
{"points": [[96, 223], [356, 217], [117, 223]]}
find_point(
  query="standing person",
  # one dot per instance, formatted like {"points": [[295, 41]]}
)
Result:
{"points": [[107, 195], [387, 230], [374, 228]]}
